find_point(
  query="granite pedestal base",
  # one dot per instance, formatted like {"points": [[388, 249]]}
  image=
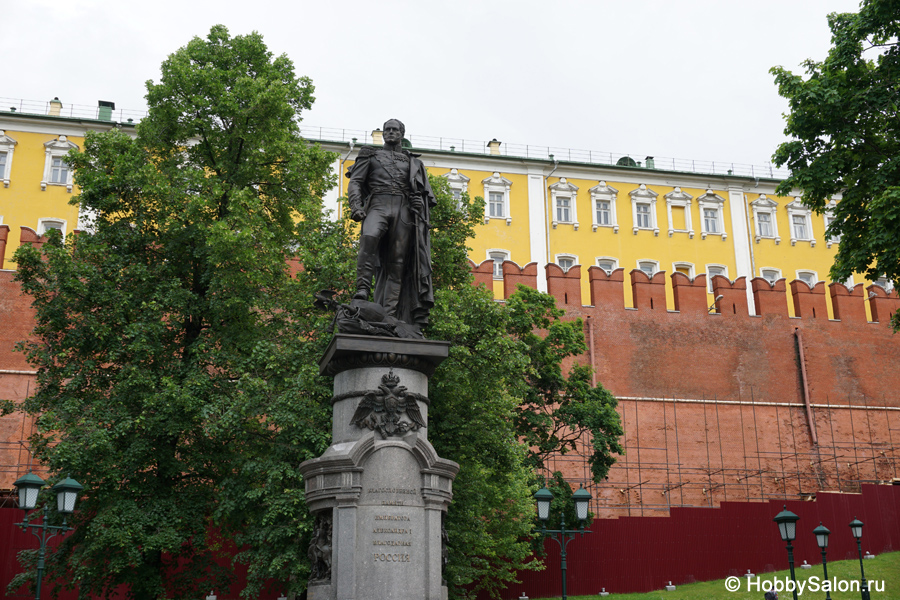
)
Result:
{"points": [[380, 491]]}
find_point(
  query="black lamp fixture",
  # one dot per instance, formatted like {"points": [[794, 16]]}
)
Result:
{"points": [[787, 527], [856, 527], [821, 532], [582, 499], [29, 487]]}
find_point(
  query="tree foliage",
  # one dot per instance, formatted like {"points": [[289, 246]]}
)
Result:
{"points": [[172, 352], [845, 139]]}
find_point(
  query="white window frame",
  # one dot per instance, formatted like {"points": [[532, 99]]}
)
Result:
{"points": [[57, 148], [614, 261], [498, 184], [681, 199], [642, 195], [815, 276], [47, 223], [681, 264], [458, 182], [564, 189], [827, 218], [604, 193], [712, 201], [709, 276], [490, 256], [795, 208], [775, 270], [763, 205], [655, 264], [571, 257], [7, 146]]}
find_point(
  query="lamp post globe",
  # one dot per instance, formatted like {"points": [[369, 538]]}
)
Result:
{"points": [[821, 532], [787, 524], [856, 527], [582, 499], [787, 527], [66, 494], [543, 497], [28, 486]]}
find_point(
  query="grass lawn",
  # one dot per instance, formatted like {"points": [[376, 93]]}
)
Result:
{"points": [[885, 567]]}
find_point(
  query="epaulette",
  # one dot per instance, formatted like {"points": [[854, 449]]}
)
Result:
{"points": [[366, 151]]}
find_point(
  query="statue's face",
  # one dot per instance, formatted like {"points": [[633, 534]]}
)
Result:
{"points": [[392, 134]]}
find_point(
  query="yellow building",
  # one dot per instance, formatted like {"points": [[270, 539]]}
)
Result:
{"points": [[543, 205]]}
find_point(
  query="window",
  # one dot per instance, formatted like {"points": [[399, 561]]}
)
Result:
{"points": [[712, 208], [764, 211], [771, 275], [607, 264], [765, 224], [459, 184], [498, 256], [801, 223], [44, 225], [711, 220], [798, 223], [886, 284], [563, 211], [496, 190], [497, 205], [712, 271], [564, 198], [603, 197], [643, 215], [566, 261], [649, 267], [56, 171], [808, 277], [684, 268], [7, 146], [829, 219], [643, 209], [678, 207]]}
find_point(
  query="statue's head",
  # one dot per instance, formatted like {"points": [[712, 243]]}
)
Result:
{"points": [[393, 127]]}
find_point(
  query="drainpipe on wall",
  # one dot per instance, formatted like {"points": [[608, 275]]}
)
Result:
{"points": [[590, 326], [805, 380]]}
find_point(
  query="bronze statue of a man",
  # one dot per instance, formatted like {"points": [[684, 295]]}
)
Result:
{"points": [[390, 195]]}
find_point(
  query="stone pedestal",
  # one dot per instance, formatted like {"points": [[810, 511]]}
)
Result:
{"points": [[380, 491]]}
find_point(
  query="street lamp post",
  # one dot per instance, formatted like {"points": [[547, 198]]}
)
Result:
{"points": [[856, 527], [29, 486], [787, 527], [562, 536], [821, 533]]}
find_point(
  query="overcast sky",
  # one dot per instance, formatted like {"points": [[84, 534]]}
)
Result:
{"points": [[684, 79]]}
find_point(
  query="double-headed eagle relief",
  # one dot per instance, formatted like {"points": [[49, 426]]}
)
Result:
{"points": [[381, 409]]}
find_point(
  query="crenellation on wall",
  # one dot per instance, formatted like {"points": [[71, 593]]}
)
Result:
{"points": [[564, 285], [769, 298], [848, 304], [4, 235], [30, 237], [514, 275], [730, 296], [690, 294], [648, 293], [881, 303], [809, 302], [606, 288], [483, 274]]}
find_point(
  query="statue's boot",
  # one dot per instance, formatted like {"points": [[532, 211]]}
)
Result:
{"points": [[393, 287], [365, 266]]}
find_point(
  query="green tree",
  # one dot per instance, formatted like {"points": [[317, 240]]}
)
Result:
{"points": [[169, 335], [844, 127]]}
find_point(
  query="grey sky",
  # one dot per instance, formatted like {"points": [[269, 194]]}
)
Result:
{"points": [[682, 79]]}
